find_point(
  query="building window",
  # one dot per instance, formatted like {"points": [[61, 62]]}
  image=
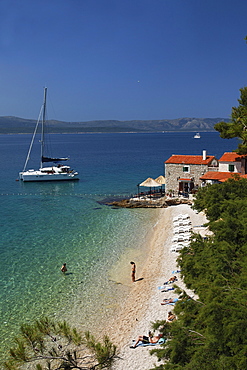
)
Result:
{"points": [[231, 167], [186, 169]]}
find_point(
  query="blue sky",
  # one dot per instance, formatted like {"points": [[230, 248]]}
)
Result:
{"points": [[124, 60]]}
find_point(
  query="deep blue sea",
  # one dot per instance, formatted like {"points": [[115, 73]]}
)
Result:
{"points": [[44, 225]]}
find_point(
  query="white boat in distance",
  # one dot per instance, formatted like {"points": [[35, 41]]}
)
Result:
{"points": [[56, 172], [197, 136]]}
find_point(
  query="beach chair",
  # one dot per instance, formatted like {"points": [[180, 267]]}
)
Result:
{"points": [[178, 230], [186, 236], [178, 223], [181, 229], [187, 228], [176, 247], [178, 238], [178, 217], [181, 237], [186, 222], [185, 216]]}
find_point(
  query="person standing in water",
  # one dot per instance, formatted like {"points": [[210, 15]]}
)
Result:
{"points": [[64, 268], [133, 271]]}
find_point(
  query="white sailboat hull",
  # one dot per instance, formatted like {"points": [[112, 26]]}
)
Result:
{"points": [[49, 174]]}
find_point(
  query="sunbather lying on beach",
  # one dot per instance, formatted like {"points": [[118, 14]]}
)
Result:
{"points": [[169, 301], [171, 280], [150, 339], [171, 317]]}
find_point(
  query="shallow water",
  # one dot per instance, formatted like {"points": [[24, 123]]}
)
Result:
{"points": [[46, 224]]}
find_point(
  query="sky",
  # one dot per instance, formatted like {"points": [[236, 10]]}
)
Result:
{"points": [[122, 59]]}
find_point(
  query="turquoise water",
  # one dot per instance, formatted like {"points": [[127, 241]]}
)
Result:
{"points": [[44, 225]]}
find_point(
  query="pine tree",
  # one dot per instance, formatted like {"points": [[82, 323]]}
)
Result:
{"points": [[49, 346]]}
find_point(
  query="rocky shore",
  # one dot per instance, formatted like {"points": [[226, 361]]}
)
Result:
{"points": [[146, 202]]}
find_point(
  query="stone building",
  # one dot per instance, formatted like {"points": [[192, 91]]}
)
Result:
{"points": [[233, 162], [183, 172], [230, 164]]}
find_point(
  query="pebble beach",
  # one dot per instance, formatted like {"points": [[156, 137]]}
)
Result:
{"points": [[143, 306]]}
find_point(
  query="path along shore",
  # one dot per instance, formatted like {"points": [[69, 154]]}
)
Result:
{"points": [[142, 306]]}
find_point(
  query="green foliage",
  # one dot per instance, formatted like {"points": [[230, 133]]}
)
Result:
{"points": [[211, 332], [71, 334], [49, 346], [213, 199], [238, 125], [104, 352]]}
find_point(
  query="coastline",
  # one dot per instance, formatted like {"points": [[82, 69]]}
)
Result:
{"points": [[142, 305]]}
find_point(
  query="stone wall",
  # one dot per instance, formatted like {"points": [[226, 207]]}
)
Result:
{"points": [[173, 172]]}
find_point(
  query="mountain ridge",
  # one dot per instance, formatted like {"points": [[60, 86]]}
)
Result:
{"points": [[11, 124]]}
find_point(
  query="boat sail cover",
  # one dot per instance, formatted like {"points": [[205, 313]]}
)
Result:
{"points": [[55, 160]]}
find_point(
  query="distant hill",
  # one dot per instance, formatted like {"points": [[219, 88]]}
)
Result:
{"points": [[14, 125]]}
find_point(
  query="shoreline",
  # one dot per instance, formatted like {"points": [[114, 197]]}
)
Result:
{"points": [[142, 305]]}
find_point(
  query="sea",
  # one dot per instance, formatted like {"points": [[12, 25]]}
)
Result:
{"points": [[43, 225]]}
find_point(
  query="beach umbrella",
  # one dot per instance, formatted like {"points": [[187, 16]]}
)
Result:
{"points": [[161, 180], [149, 182]]}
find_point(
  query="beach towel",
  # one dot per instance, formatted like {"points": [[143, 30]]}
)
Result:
{"points": [[176, 271], [141, 344], [167, 290], [163, 286]]}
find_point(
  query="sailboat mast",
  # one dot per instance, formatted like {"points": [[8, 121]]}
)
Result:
{"points": [[43, 124]]}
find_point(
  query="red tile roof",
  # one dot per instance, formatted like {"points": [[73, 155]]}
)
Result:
{"points": [[216, 175], [189, 159], [230, 157]]}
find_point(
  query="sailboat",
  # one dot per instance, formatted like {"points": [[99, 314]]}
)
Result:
{"points": [[197, 136], [57, 171]]}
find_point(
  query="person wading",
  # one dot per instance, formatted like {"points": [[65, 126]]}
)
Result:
{"points": [[133, 271]]}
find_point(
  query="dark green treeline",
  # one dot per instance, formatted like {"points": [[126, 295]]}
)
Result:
{"points": [[211, 331]]}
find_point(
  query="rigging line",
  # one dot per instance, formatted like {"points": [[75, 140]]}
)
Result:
{"points": [[31, 145]]}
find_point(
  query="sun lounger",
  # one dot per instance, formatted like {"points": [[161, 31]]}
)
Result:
{"points": [[177, 247], [181, 238], [185, 216], [181, 223], [186, 222], [182, 229], [181, 217], [178, 230]]}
